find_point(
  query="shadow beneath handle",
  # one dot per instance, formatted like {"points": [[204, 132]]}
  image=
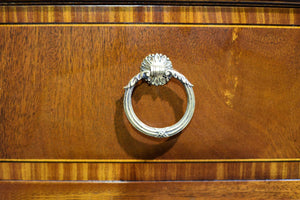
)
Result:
{"points": [[138, 149]]}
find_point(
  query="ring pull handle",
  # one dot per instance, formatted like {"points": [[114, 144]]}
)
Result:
{"points": [[157, 70]]}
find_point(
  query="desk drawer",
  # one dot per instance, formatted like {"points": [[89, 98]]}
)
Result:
{"points": [[63, 69], [62, 92]]}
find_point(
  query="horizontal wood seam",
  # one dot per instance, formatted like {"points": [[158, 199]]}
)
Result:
{"points": [[151, 25], [270, 4], [147, 161], [142, 181]]}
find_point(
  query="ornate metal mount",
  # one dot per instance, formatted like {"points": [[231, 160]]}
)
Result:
{"points": [[157, 69], [158, 65]]}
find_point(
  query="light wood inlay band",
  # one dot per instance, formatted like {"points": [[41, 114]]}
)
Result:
{"points": [[150, 14], [149, 171]]}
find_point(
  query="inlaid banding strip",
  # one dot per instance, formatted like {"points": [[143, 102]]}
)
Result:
{"points": [[150, 14], [149, 171]]}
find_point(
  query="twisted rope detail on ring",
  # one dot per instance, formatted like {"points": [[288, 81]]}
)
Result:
{"points": [[161, 133]]}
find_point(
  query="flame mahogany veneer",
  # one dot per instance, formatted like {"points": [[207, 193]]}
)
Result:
{"points": [[62, 72]]}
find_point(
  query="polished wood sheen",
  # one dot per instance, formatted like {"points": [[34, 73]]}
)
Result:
{"points": [[62, 73], [62, 94], [150, 14], [281, 190], [148, 171]]}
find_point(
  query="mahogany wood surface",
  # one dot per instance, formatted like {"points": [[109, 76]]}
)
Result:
{"points": [[280, 190], [147, 171], [62, 90], [62, 72], [150, 14], [248, 3]]}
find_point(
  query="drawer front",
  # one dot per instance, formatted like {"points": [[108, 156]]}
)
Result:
{"points": [[61, 93]]}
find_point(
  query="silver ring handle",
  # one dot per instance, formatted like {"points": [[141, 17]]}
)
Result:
{"points": [[157, 69]]}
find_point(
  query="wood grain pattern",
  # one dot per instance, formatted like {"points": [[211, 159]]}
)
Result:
{"points": [[61, 93], [147, 171], [61, 99], [151, 190], [150, 14], [249, 3]]}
